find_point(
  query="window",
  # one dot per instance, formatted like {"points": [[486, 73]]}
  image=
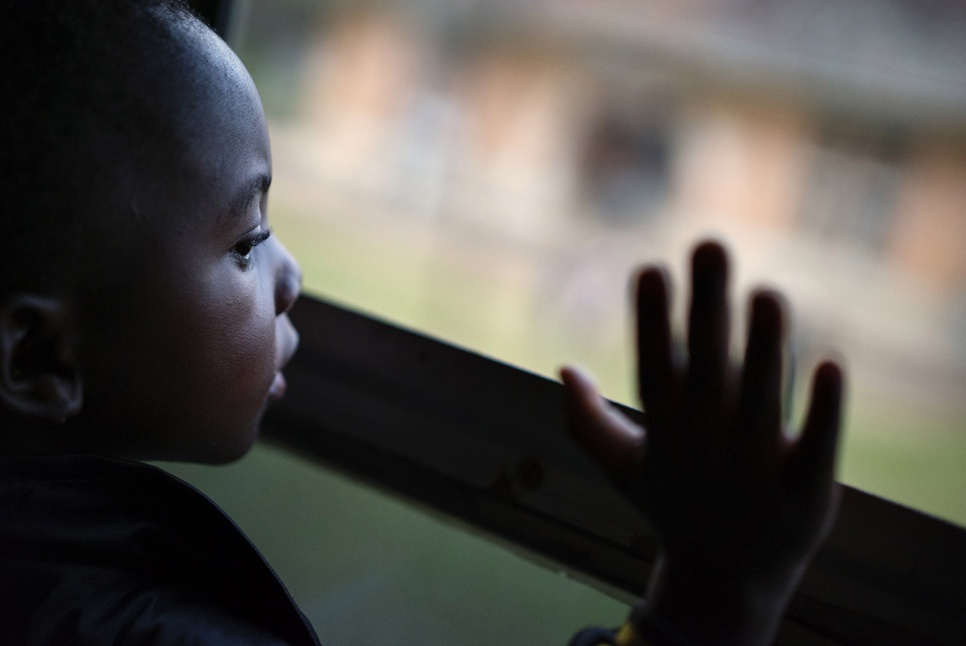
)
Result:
{"points": [[433, 161]]}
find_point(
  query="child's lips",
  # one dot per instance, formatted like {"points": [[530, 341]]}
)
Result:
{"points": [[277, 389], [290, 342]]}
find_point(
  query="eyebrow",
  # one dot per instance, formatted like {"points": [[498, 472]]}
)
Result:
{"points": [[258, 186]]}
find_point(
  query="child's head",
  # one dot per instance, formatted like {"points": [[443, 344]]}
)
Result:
{"points": [[142, 312]]}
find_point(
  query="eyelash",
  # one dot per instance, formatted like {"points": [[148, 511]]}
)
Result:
{"points": [[243, 248]]}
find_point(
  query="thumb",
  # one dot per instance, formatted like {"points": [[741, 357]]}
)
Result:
{"points": [[606, 435]]}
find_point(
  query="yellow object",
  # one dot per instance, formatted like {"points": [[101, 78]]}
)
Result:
{"points": [[628, 636]]}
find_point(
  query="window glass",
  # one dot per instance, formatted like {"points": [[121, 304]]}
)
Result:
{"points": [[492, 172]]}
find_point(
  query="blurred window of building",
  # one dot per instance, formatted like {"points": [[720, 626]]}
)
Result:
{"points": [[627, 170], [852, 186]]}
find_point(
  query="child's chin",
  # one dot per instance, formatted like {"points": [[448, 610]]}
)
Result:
{"points": [[228, 452], [227, 458]]}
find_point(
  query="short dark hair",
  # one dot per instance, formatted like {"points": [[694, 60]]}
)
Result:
{"points": [[78, 108]]}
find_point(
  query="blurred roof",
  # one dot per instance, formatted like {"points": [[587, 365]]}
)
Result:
{"points": [[899, 61]]}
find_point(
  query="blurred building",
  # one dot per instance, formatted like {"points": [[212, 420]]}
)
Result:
{"points": [[825, 140]]}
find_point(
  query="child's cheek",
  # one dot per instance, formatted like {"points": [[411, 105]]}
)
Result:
{"points": [[233, 327], [243, 342]]}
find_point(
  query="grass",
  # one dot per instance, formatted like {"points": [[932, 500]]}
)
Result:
{"points": [[914, 457]]}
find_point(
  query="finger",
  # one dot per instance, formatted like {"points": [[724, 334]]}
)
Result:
{"points": [[654, 363], [815, 450], [611, 439], [708, 327], [759, 413]]}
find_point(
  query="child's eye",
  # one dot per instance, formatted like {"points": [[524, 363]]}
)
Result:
{"points": [[242, 249]]}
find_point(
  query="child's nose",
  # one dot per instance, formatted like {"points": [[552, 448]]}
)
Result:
{"points": [[288, 281]]}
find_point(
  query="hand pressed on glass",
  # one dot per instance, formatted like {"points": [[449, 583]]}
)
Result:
{"points": [[739, 505]]}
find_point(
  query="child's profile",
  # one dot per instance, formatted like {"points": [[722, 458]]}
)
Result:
{"points": [[177, 294], [143, 317]]}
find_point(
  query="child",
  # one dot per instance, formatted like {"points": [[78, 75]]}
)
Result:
{"points": [[143, 316]]}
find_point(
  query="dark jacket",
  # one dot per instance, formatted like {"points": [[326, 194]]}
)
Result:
{"points": [[96, 551]]}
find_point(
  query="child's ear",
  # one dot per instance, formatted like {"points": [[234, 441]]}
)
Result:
{"points": [[39, 375]]}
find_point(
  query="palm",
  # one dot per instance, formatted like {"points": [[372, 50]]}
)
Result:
{"points": [[724, 487]]}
